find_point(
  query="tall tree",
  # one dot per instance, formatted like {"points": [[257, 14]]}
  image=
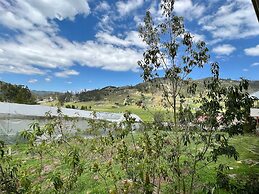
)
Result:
{"points": [[172, 53], [171, 56]]}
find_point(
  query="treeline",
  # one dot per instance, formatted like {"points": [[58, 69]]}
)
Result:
{"points": [[90, 95], [93, 95], [16, 94]]}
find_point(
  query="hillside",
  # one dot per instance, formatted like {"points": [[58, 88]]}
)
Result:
{"points": [[44, 93], [16, 94], [119, 94], [109, 94]]}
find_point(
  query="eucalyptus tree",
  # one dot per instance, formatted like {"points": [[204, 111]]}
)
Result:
{"points": [[172, 53], [196, 138]]}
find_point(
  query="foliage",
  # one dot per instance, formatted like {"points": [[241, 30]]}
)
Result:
{"points": [[89, 95], [242, 184], [167, 155], [83, 107], [123, 161], [44, 142], [12, 179], [66, 97], [174, 152], [16, 94]]}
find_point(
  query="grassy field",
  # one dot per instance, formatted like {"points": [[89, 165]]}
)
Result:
{"points": [[247, 164], [144, 114], [110, 106], [247, 146]]}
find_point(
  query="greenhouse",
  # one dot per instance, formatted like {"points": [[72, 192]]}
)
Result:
{"points": [[256, 95], [17, 117]]}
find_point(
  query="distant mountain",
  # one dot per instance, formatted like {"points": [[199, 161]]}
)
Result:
{"points": [[21, 94], [44, 93], [119, 94], [254, 86]]}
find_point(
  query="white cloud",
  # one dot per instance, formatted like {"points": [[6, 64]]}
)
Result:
{"points": [[198, 37], [106, 23], [156, 12], [255, 64], [253, 51], [110, 39], [185, 8], [233, 20], [245, 70], [66, 73], [189, 10], [12, 21], [125, 7], [26, 14], [19, 69], [225, 49], [37, 49], [33, 81], [32, 55], [108, 57], [48, 79], [103, 6], [132, 39]]}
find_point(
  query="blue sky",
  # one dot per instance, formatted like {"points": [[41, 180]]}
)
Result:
{"points": [[85, 44]]}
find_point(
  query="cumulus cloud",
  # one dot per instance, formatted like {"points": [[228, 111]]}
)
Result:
{"points": [[19, 69], [132, 39], [37, 48], [198, 37], [36, 55], [109, 57], [26, 14], [225, 49], [66, 73], [185, 8], [106, 23], [189, 10], [253, 51], [233, 20], [103, 6], [47, 79], [125, 7], [33, 81], [255, 64]]}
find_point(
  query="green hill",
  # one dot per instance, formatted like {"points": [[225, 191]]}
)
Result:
{"points": [[119, 94], [16, 94]]}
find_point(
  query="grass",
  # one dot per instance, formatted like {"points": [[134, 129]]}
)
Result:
{"points": [[248, 161], [114, 104], [104, 106], [247, 164], [246, 145]]}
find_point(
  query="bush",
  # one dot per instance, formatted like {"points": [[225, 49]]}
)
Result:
{"points": [[83, 107], [250, 125]]}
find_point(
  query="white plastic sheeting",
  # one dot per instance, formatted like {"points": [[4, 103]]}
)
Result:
{"points": [[17, 110], [17, 117], [254, 112], [256, 94]]}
